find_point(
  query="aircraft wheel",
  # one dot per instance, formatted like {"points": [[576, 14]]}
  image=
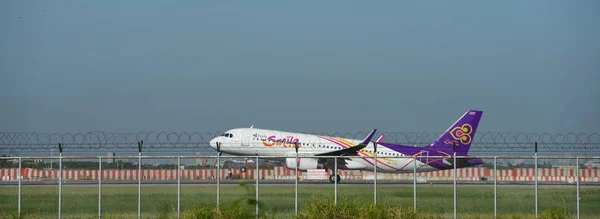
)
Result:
{"points": [[243, 169], [333, 177]]}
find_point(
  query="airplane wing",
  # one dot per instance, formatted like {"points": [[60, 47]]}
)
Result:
{"points": [[351, 151]]}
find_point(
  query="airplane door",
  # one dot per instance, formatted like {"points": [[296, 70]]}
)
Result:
{"points": [[253, 146], [245, 143], [250, 145]]}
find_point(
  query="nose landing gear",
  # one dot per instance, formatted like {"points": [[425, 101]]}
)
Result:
{"points": [[243, 168]]}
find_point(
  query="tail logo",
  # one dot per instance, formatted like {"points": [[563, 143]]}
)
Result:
{"points": [[463, 133]]}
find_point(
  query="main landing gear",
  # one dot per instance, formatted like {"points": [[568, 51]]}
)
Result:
{"points": [[334, 177]]}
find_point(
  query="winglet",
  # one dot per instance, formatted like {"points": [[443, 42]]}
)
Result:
{"points": [[369, 137], [380, 139]]}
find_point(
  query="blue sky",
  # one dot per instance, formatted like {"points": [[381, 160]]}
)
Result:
{"points": [[310, 66]]}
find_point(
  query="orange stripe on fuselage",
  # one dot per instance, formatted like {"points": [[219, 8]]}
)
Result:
{"points": [[336, 141], [346, 141], [379, 161]]}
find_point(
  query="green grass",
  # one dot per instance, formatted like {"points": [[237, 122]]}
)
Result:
{"points": [[278, 201]]}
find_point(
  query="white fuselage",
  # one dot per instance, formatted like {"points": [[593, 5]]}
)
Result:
{"points": [[262, 142]]}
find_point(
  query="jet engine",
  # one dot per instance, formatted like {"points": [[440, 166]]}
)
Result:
{"points": [[305, 163]]}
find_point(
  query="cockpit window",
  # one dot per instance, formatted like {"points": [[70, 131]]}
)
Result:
{"points": [[231, 135]]}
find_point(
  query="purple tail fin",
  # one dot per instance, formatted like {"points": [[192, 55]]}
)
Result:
{"points": [[461, 132]]}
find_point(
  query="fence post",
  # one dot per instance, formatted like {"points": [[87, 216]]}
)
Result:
{"points": [[218, 174], [179, 187], [454, 164], [415, 183], [335, 175], [140, 178], [495, 189], [99, 187], [297, 164], [578, 198], [19, 177], [536, 180], [375, 179], [60, 181], [257, 178]]}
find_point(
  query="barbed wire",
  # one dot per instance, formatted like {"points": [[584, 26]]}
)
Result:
{"points": [[98, 140]]}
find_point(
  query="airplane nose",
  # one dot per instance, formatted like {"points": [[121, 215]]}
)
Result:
{"points": [[216, 141], [213, 143]]}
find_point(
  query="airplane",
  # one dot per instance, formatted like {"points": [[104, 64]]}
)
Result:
{"points": [[392, 158]]}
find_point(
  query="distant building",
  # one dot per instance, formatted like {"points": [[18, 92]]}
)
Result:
{"points": [[564, 167], [16, 161], [592, 164], [31, 160]]}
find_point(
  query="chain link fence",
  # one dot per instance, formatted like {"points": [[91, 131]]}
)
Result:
{"points": [[270, 187], [484, 143]]}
